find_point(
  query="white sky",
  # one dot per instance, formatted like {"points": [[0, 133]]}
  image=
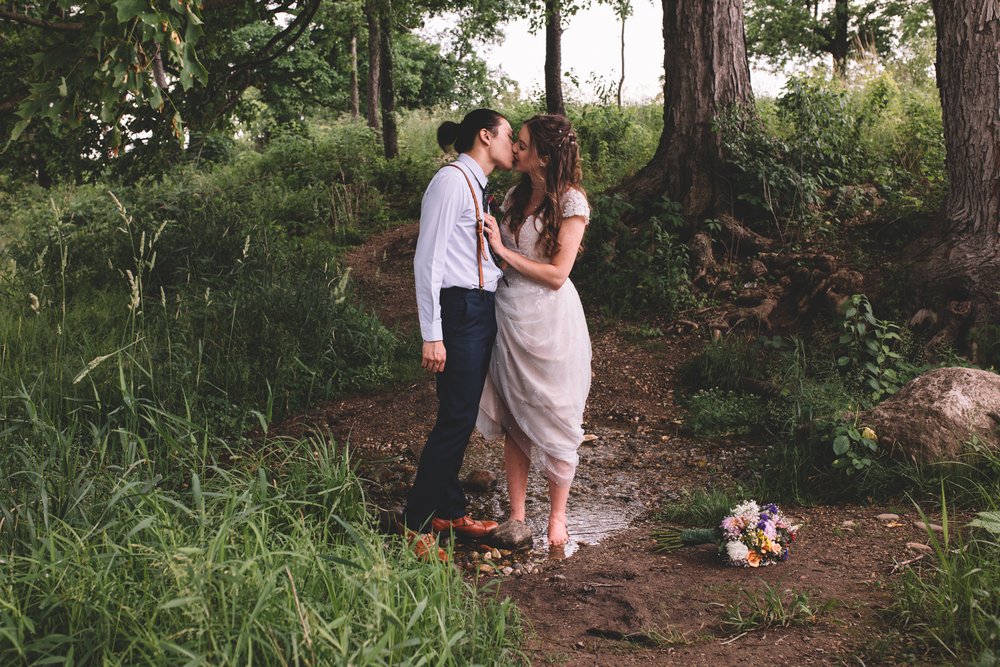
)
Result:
{"points": [[591, 48]]}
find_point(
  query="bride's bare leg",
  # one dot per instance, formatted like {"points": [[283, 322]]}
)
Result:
{"points": [[558, 497], [517, 464]]}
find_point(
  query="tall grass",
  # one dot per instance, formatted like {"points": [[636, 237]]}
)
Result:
{"points": [[954, 603], [271, 561]]}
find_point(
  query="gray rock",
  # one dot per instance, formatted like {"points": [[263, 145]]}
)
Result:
{"points": [[512, 535], [934, 416]]}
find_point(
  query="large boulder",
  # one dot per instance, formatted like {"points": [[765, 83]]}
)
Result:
{"points": [[934, 416]]}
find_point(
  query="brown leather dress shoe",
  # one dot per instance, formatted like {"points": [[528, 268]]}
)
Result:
{"points": [[464, 526], [425, 546]]}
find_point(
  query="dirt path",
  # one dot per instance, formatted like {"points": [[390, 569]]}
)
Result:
{"points": [[618, 602]]}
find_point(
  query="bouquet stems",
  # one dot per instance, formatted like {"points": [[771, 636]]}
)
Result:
{"points": [[672, 538]]}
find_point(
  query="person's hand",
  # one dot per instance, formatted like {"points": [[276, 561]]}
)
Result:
{"points": [[492, 229], [433, 356]]}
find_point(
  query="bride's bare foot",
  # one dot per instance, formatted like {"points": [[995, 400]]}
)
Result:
{"points": [[558, 536]]}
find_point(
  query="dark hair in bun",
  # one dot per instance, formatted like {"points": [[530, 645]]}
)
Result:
{"points": [[463, 135]]}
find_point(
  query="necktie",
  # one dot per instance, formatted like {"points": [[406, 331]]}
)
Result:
{"points": [[486, 199]]}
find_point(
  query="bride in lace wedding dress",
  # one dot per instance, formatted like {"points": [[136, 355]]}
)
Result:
{"points": [[539, 375]]}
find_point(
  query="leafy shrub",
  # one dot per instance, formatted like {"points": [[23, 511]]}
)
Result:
{"points": [[723, 364], [717, 412], [635, 271], [614, 143], [868, 351], [826, 151], [253, 318]]}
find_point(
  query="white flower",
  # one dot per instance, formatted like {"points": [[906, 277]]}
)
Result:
{"points": [[737, 552], [749, 509]]}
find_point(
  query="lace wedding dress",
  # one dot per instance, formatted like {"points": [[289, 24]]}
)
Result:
{"points": [[539, 375]]}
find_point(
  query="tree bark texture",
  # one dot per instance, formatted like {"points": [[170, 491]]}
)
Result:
{"points": [[706, 68], [621, 80], [387, 90], [374, 62], [553, 58], [840, 43], [355, 93], [968, 75]]}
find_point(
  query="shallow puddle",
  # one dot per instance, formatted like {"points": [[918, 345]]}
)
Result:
{"points": [[603, 499]]}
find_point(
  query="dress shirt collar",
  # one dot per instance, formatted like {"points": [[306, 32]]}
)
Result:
{"points": [[474, 167]]}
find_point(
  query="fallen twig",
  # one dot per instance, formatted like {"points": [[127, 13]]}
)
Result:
{"points": [[899, 566]]}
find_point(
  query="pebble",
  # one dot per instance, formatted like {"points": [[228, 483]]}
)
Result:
{"points": [[918, 546], [488, 555], [495, 554], [589, 438], [558, 577], [507, 571], [888, 517], [920, 525], [486, 569], [848, 524]]}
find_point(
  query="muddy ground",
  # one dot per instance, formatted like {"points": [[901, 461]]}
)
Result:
{"points": [[614, 600]]}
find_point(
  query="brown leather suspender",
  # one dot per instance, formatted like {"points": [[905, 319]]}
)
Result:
{"points": [[481, 250]]}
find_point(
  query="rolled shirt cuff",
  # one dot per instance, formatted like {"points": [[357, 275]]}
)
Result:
{"points": [[432, 331]]}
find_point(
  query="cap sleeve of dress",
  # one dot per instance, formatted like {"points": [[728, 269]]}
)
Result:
{"points": [[575, 203]]}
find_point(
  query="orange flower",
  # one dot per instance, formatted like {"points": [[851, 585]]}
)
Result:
{"points": [[753, 559]]}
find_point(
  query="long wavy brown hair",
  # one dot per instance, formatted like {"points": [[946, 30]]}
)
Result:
{"points": [[552, 137]]}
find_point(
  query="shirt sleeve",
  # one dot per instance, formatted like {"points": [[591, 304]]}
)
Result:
{"points": [[440, 212]]}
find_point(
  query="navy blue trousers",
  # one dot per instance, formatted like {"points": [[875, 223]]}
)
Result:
{"points": [[469, 327]]}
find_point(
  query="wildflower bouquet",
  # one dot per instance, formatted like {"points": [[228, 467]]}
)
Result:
{"points": [[750, 536]]}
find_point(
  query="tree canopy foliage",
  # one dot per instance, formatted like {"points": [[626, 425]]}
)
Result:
{"points": [[784, 32], [147, 77]]}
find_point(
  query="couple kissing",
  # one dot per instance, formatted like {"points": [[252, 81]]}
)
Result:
{"points": [[502, 325]]}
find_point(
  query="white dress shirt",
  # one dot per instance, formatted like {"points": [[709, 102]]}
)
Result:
{"points": [[447, 244]]}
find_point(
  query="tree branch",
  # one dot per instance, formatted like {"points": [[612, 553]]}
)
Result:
{"points": [[40, 23], [297, 26]]}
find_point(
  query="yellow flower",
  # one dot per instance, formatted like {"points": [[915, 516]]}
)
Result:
{"points": [[868, 433]]}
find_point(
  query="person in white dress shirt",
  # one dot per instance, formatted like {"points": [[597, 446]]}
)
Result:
{"points": [[456, 279], [540, 373]]}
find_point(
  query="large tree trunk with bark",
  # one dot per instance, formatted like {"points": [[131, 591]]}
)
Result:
{"points": [[390, 137], [706, 68], [553, 57], [355, 93], [374, 62], [840, 41], [966, 262]]}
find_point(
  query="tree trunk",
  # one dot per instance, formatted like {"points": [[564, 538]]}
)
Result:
{"points": [[390, 140], [374, 64], [706, 68], [967, 262], [840, 43], [355, 93], [553, 58], [621, 80]]}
